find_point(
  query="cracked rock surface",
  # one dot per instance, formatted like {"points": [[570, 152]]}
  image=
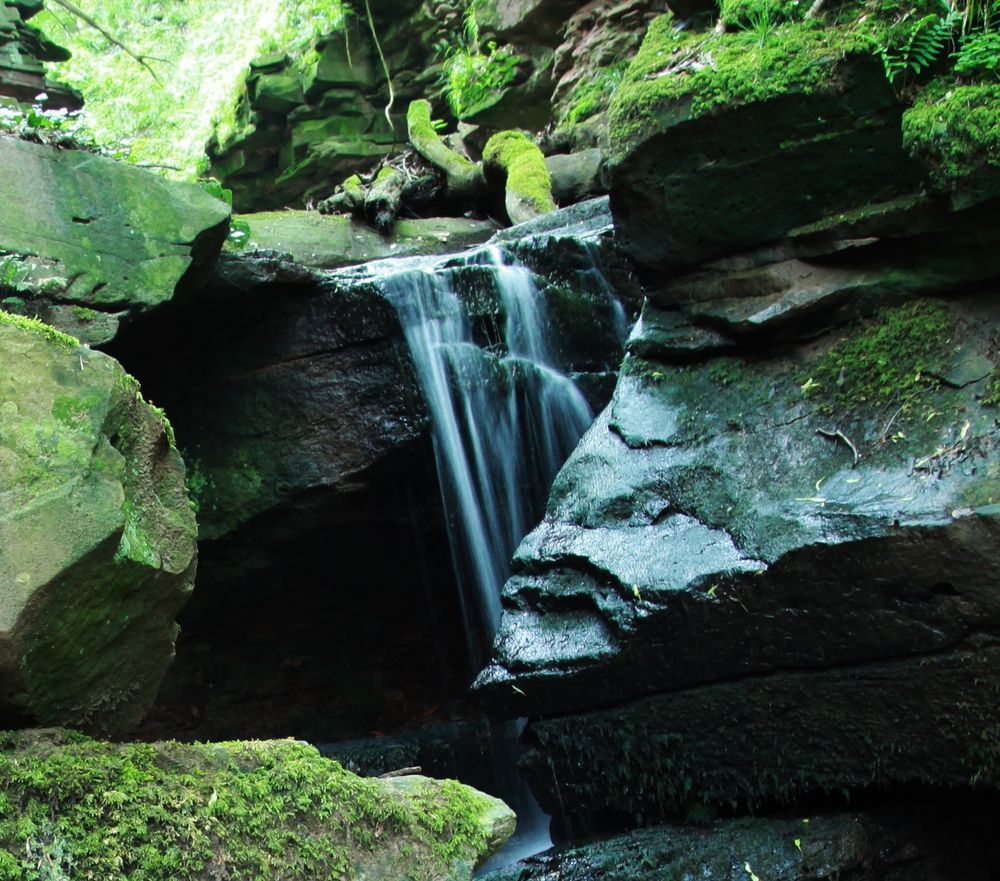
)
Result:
{"points": [[754, 567]]}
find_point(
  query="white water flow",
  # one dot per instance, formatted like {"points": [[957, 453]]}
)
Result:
{"points": [[504, 419]]}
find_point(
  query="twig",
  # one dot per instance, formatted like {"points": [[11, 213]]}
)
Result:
{"points": [[885, 431], [401, 772], [385, 66], [839, 435], [83, 16], [815, 9]]}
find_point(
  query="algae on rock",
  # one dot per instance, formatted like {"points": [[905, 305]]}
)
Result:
{"points": [[97, 538]]}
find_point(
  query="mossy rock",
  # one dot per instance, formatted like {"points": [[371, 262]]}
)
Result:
{"points": [[725, 141], [270, 809], [97, 538], [955, 132], [104, 235]]}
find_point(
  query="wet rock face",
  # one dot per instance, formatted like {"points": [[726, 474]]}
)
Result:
{"points": [[94, 242], [97, 539], [295, 400], [898, 843], [757, 563]]}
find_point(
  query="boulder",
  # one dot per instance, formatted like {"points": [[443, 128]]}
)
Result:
{"points": [[97, 539], [327, 242], [685, 189], [101, 236], [277, 809], [898, 843], [294, 396], [755, 567]]}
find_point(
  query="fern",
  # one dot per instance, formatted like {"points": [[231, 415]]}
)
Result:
{"points": [[923, 43], [979, 53]]}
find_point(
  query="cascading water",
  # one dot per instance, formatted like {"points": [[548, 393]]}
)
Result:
{"points": [[503, 421]]}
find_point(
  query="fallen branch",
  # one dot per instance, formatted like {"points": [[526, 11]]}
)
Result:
{"points": [[401, 772], [839, 435], [384, 197], [84, 17]]}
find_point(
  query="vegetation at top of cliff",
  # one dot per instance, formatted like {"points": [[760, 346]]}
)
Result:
{"points": [[199, 49], [695, 72], [473, 71], [71, 807], [944, 54]]}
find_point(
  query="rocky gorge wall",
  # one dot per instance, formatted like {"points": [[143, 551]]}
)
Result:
{"points": [[754, 633]]}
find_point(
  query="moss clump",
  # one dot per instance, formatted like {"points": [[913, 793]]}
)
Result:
{"points": [[693, 73], [593, 92], [463, 176], [955, 130], [527, 177], [171, 812], [758, 15], [885, 364], [64, 340]]}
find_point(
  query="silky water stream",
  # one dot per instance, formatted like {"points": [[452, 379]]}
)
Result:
{"points": [[504, 418]]}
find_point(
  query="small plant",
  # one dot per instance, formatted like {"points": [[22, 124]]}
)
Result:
{"points": [[57, 127], [593, 93], [979, 53], [912, 44], [473, 73]]}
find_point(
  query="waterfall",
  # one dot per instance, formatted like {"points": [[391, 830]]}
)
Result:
{"points": [[504, 418]]}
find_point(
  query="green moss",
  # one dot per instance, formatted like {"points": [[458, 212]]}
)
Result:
{"points": [[593, 92], [354, 188], [524, 164], [992, 396], [885, 364], [758, 15], [955, 130], [429, 144], [242, 810], [692, 73], [63, 340]]}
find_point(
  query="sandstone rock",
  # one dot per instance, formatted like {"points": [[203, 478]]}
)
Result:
{"points": [[576, 176], [97, 540], [101, 235], [900, 843], [240, 809], [327, 242], [716, 554], [687, 188]]}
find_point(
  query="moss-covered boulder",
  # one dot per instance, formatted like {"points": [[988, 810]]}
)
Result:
{"points": [[723, 141], [80, 230], [74, 807], [97, 539]]}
